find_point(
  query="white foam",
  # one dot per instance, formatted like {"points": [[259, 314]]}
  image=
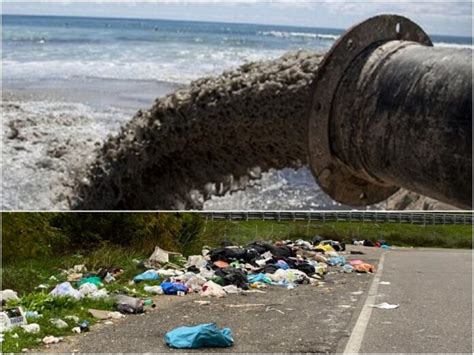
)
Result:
{"points": [[281, 34], [185, 66], [454, 45]]}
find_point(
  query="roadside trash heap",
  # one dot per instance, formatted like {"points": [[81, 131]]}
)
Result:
{"points": [[236, 269], [217, 272], [368, 243]]}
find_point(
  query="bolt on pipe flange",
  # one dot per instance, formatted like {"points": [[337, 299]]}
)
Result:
{"points": [[333, 176]]}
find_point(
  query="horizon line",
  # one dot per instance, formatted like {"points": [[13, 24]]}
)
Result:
{"points": [[175, 20], [203, 21]]}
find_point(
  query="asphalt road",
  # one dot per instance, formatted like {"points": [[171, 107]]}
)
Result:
{"points": [[432, 287], [434, 290]]}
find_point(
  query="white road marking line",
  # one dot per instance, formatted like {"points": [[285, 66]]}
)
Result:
{"points": [[355, 340]]}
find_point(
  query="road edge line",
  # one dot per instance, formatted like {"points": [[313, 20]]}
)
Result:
{"points": [[357, 335]]}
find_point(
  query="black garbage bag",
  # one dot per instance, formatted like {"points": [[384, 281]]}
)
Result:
{"points": [[306, 268], [269, 269], [194, 269], [368, 243], [233, 276], [317, 240], [226, 254], [338, 246], [283, 252], [260, 247], [250, 254]]}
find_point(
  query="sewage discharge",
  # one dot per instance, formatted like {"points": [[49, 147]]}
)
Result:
{"points": [[381, 110]]}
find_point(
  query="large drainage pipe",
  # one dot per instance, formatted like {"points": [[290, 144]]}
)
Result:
{"points": [[384, 110], [390, 111]]}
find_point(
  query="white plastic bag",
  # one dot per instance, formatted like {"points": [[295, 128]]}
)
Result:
{"points": [[65, 289], [153, 289], [211, 289], [87, 288]]}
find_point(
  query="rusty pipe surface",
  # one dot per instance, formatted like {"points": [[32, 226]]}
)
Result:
{"points": [[400, 115]]}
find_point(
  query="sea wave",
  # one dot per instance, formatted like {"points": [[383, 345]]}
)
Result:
{"points": [[454, 45], [181, 67], [282, 34]]}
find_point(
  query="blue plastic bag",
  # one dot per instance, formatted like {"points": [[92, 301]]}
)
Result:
{"points": [[200, 336], [172, 288], [281, 264], [337, 260], [259, 278], [147, 276]]}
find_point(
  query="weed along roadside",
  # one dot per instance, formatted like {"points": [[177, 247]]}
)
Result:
{"points": [[81, 298]]}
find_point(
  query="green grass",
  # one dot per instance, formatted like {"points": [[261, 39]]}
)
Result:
{"points": [[24, 276], [50, 307], [442, 236]]}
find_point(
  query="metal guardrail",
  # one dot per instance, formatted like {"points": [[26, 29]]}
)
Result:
{"points": [[423, 218]]}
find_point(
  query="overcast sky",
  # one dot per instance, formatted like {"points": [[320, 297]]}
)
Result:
{"points": [[436, 17]]}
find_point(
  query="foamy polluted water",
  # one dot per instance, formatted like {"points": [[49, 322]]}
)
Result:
{"points": [[46, 145]]}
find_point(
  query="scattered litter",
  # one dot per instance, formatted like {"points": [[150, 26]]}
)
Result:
{"points": [[232, 289], [59, 323], [344, 306], [8, 295], [160, 257], [95, 280], [200, 336], [76, 330], [109, 278], [51, 339], [269, 308], [347, 268], [98, 294], [211, 289], [385, 305], [253, 291], [84, 326], [32, 328], [65, 289], [369, 268], [108, 322], [153, 289], [356, 293], [202, 303], [172, 288], [245, 305], [385, 283], [87, 288], [11, 317], [148, 275], [129, 305]]}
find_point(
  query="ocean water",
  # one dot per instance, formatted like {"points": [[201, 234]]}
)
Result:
{"points": [[171, 51], [96, 72]]}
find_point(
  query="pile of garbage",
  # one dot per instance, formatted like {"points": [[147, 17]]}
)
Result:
{"points": [[237, 269], [215, 273]]}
